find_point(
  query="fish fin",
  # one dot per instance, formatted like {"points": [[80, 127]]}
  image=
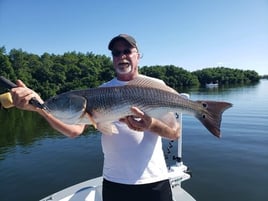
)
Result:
{"points": [[170, 120], [211, 115], [92, 121], [107, 128], [85, 119], [145, 81]]}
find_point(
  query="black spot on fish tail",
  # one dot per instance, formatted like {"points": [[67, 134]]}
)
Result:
{"points": [[211, 115]]}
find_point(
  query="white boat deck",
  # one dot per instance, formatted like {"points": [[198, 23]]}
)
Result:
{"points": [[91, 190]]}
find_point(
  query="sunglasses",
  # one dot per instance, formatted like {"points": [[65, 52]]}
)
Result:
{"points": [[117, 53]]}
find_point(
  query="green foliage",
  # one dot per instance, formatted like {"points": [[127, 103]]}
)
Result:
{"points": [[264, 77], [223, 76], [6, 68], [50, 74], [173, 76]]}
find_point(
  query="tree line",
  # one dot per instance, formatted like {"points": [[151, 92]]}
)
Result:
{"points": [[51, 74]]}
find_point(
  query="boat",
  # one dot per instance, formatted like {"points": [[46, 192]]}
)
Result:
{"points": [[212, 85], [91, 190]]}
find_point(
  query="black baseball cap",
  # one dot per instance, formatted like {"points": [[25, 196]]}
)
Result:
{"points": [[129, 39]]}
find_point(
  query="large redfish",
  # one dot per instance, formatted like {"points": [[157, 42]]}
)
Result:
{"points": [[102, 106]]}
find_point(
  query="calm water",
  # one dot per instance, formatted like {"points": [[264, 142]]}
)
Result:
{"points": [[36, 161]]}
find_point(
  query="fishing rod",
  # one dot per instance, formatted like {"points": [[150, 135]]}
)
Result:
{"points": [[6, 83]]}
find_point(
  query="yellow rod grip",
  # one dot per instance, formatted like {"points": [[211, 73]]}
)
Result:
{"points": [[6, 100]]}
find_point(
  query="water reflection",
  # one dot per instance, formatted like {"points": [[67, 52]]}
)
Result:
{"points": [[23, 128]]}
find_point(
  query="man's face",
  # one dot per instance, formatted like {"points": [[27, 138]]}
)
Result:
{"points": [[125, 60]]}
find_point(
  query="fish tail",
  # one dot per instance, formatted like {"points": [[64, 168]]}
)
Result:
{"points": [[211, 115]]}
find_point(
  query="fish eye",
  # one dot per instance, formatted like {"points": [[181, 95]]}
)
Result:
{"points": [[205, 105]]}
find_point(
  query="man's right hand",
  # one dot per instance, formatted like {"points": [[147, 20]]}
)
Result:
{"points": [[21, 96]]}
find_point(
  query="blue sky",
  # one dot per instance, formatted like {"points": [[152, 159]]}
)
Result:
{"points": [[192, 34]]}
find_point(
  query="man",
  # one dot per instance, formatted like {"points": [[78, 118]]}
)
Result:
{"points": [[134, 165]]}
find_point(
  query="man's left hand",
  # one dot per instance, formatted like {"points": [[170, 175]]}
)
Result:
{"points": [[139, 121]]}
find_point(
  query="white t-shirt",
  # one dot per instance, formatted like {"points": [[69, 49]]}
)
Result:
{"points": [[132, 157]]}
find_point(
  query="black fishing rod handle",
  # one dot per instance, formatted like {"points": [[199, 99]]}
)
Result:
{"points": [[7, 83]]}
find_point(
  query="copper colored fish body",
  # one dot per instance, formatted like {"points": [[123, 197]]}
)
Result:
{"points": [[102, 106]]}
